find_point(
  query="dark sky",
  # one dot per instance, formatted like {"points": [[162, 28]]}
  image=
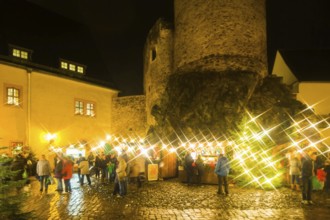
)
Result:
{"points": [[119, 29]]}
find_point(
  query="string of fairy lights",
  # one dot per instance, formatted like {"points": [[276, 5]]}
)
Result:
{"points": [[252, 151]]}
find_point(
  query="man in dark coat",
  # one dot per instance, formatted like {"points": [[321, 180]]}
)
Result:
{"points": [[188, 165], [307, 173]]}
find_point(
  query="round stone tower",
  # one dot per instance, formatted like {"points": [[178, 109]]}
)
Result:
{"points": [[220, 35]]}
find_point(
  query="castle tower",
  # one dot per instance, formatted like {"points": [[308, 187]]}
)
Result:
{"points": [[158, 62], [209, 64], [220, 35]]}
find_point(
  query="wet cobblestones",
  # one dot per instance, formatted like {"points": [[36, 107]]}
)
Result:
{"points": [[172, 200]]}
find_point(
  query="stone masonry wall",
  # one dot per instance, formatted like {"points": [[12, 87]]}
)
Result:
{"points": [[129, 116], [158, 62], [220, 35]]}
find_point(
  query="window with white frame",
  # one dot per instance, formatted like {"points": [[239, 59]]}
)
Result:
{"points": [[13, 96], [79, 107], [90, 109], [86, 108]]}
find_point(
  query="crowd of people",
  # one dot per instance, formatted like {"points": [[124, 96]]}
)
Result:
{"points": [[196, 168], [309, 172], [118, 169]]}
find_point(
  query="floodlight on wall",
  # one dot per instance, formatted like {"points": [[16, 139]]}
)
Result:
{"points": [[50, 137]]}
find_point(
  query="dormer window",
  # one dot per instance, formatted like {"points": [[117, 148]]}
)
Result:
{"points": [[24, 55], [64, 65], [72, 66], [80, 69], [20, 52], [16, 53]]}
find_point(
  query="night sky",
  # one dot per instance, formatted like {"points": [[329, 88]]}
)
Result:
{"points": [[119, 29]]}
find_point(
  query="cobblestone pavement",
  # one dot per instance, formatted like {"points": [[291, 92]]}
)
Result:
{"points": [[172, 200]]}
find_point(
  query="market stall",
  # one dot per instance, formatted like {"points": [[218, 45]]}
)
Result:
{"points": [[208, 175]]}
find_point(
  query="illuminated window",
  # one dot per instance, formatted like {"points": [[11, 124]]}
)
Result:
{"points": [[24, 54], [20, 53], [79, 108], [90, 109], [83, 107], [16, 53], [64, 65], [13, 96], [72, 67], [80, 69]]}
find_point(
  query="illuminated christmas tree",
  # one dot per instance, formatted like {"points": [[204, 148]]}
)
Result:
{"points": [[11, 195], [253, 159]]}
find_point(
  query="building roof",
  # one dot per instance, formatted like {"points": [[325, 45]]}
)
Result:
{"points": [[51, 37], [308, 65]]}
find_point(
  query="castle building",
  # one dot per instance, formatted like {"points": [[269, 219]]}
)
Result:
{"points": [[42, 107], [48, 97], [207, 36], [58, 104]]}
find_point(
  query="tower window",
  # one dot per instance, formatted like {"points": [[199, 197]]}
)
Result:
{"points": [[153, 54]]}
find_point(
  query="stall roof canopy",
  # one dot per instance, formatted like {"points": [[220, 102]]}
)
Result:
{"points": [[308, 65]]}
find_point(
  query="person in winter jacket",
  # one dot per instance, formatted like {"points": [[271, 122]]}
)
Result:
{"points": [[327, 177], [200, 169], [188, 166], [43, 171], [120, 181], [84, 171], [222, 170], [307, 173], [294, 171], [58, 172], [67, 173]]}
